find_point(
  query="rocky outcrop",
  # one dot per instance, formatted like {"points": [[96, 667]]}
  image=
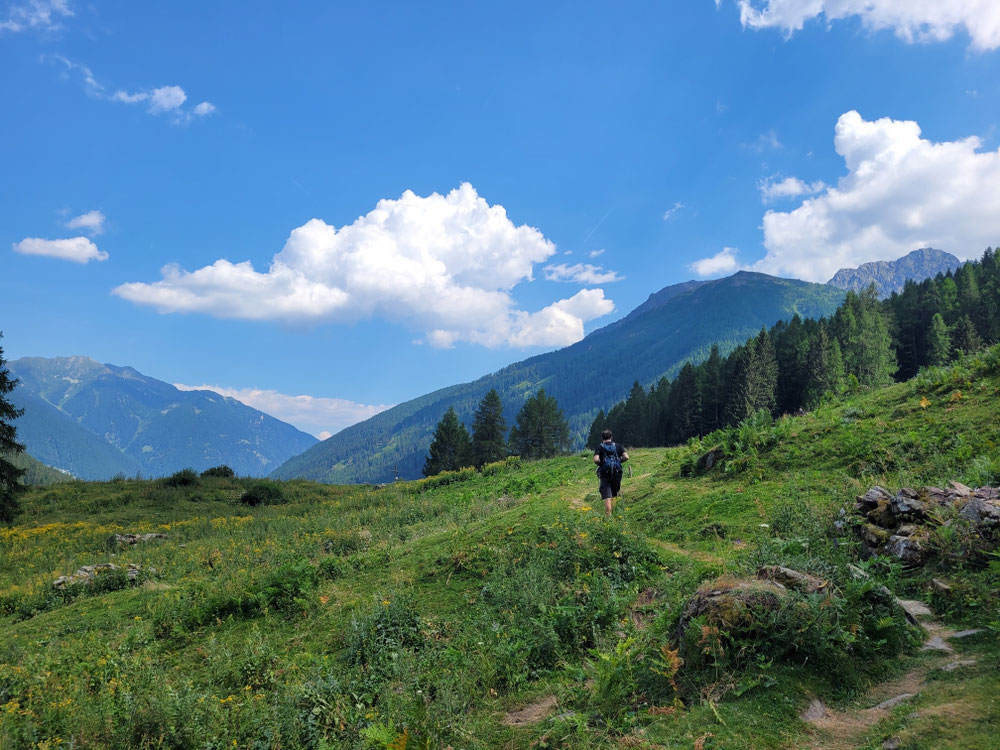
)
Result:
{"points": [[88, 574], [127, 540], [898, 525]]}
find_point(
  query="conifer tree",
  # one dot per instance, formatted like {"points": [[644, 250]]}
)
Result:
{"points": [[712, 391], [685, 405], [938, 342], [596, 428], [964, 338], [10, 475], [450, 447], [764, 376], [489, 431], [635, 417], [541, 430]]}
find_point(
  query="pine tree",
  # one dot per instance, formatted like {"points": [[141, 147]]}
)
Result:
{"points": [[489, 431], [712, 394], [938, 342], [635, 417], [541, 430], [764, 375], [964, 339], [596, 428], [10, 475], [685, 405], [450, 447]]}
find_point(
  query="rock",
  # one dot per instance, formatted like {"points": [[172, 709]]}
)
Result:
{"points": [[980, 512], [906, 508], [937, 644], [904, 548], [893, 743], [908, 492], [707, 460], [940, 586], [870, 500], [987, 493], [792, 579], [907, 529], [960, 488], [127, 540], [965, 633], [732, 604], [958, 665], [816, 710], [914, 608], [86, 574], [893, 702]]}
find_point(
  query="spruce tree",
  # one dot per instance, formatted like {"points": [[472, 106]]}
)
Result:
{"points": [[489, 431], [685, 405], [712, 395], [596, 428], [764, 375], [938, 342], [449, 449], [10, 475], [541, 430], [964, 339]]}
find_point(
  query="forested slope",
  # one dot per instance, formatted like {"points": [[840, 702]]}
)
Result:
{"points": [[679, 323]]}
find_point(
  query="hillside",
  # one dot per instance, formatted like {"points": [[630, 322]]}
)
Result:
{"points": [[676, 324], [500, 609], [35, 472], [890, 276], [97, 421]]}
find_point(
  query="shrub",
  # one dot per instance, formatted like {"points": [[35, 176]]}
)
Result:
{"points": [[378, 636], [331, 568], [288, 587], [222, 471], [263, 493], [182, 478]]}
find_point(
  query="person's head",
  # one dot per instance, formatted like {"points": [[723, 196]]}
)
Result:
{"points": [[606, 435]]}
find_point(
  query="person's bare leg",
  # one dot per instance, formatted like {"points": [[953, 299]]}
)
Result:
{"points": [[607, 507]]}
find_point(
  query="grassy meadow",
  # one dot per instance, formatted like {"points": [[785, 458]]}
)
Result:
{"points": [[500, 608]]}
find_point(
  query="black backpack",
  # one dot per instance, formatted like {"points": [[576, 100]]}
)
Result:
{"points": [[611, 462]]}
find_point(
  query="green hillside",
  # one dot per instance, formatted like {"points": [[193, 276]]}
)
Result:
{"points": [[36, 473], [500, 609], [679, 323]]}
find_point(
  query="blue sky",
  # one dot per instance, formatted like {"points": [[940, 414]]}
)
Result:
{"points": [[357, 204]]}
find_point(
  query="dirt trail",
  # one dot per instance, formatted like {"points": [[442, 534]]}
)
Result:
{"points": [[532, 713], [843, 730]]}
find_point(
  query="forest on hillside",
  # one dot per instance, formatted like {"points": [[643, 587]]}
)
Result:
{"points": [[795, 364]]}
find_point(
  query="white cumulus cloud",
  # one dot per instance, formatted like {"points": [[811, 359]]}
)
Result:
{"points": [[76, 249], [581, 273], [442, 264], [721, 263], [92, 222], [42, 15], [901, 192], [773, 189], [316, 415], [911, 20]]}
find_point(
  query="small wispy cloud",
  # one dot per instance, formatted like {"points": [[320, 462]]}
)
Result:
{"points": [[672, 212], [75, 249], [773, 189], [596, 253], [722, 262], [91, 222], [161, 100], [765, 142], [316, 415], [37, 15], [580, 273]]}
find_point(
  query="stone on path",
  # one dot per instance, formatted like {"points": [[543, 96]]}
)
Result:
{"points": [[958, 664], [892, 702], [816, 710], [914, 608], [937, 644], [965, 633], [893, 743]]}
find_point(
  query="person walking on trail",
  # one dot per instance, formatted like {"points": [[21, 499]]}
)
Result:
{"points": [[609, 458]]}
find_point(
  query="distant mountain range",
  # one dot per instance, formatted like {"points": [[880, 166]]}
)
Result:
{"points": [[889, 276], [95, 420], [676, 324]]}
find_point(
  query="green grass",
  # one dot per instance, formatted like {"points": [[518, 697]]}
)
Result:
{"points": [[352, 615]]}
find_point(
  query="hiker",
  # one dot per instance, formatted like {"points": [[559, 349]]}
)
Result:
{"points": [[609, 458]]}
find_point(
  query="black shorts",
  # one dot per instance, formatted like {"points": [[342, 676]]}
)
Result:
{"points": [[610, 486]]}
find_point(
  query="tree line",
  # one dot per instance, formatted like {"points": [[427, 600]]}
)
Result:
{"points": [[540, 431], [867, 342]]}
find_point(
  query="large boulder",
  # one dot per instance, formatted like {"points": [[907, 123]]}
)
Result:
{"points": [[732, 603]]}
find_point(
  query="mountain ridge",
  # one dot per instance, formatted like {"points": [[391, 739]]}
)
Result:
{"points": [[96, 420], [676, 324], [890, 276]]}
